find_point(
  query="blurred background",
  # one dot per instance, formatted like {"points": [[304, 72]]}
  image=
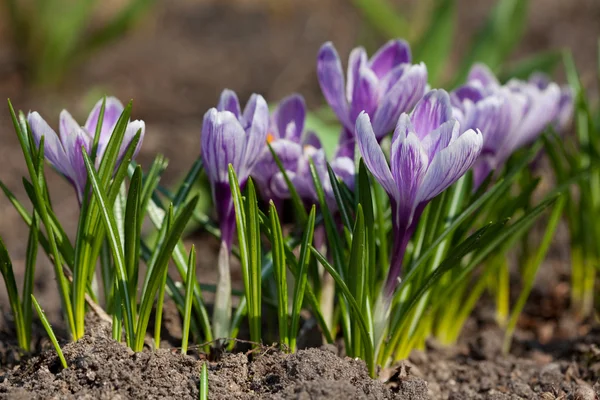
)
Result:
{"points": [[173, 57]]}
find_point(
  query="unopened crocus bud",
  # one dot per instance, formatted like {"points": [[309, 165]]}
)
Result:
{"points": [[64, 151]]}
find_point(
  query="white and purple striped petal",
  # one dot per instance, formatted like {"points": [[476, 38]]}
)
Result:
{"points": [[391, 54], [449, 164], [373, 155], [223, 143], [331, 80], [431, 112], [400, 98]]}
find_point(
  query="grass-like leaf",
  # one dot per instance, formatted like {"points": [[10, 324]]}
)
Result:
{"points": [[157, 271], [279, 269], [189, 291], [30, 263], [356, 310], [49, 331], [203, 391], [133, 227], [531, 269], [115, 244], [301, 276], [6, 268]]}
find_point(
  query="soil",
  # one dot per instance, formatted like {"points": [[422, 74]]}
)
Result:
{"points": [[174, 66], [101, 368]]}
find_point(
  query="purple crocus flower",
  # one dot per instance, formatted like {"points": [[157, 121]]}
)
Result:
{"points": [[64, 151], [528, 109], [232, 137], [383, 87], [474, 107], [295, 148], [429, 153]]}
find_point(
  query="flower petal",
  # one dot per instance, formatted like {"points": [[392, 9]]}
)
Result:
{"points": [[132, 129], [373, 155], [400, 98], [482, 74], [565, 109], [67, 126], [471, 91], [74, 142], [364, 97], [53, 148], [346, 144], [289, 117], [356, 61], [492, 118], [539, 79], [223, 143], [449, 164], [112, 111], [541, 111], [228, 101], [344, 168], [331, 80], [431, 111], [256, 119], [391, 54], [389, 81], [409, 163], [311, 139], [266, 168], [440, 138]]}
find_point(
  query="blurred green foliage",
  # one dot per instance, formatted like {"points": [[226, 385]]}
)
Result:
{"points": [[52, 35], [430, 28]]}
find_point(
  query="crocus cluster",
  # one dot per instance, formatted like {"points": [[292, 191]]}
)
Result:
{"points": [[64, 151], [510, 116], [437, 137]]}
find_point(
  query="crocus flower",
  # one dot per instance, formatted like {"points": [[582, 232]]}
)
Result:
{"points": [[530, 109], [232, 137], [429, 153], [474, 107], [383, 87], [564, 116], [294, 147], [64, 151]]}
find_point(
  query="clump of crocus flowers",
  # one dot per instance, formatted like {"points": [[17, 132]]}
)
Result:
{"points": [[437, 137]]}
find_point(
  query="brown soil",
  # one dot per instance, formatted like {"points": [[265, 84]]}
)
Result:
{"points": [[101, 368], [478, 370]]}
